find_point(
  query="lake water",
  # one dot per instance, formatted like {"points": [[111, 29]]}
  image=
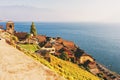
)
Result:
{"points": [[102, 41]]}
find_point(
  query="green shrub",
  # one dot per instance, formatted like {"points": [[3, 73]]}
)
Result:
{"points": [[64, 56]]}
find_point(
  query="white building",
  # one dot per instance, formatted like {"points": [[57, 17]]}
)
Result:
{"points": [[52, 41], [50, 49]]}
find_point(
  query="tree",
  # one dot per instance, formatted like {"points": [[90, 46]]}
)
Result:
{"points": [[33, 29], [64, 56]]}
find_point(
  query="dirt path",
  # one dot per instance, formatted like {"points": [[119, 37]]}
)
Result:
{"points": [[15, 65]]}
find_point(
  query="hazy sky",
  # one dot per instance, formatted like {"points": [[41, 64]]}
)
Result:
{"points": [[60, 10]]}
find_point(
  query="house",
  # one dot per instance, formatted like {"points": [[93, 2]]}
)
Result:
{"points": [[50, 49], [21, 35], [48, 44], [58, 47], [92, 65], [44, 53], [10, 27], [89, 61], [32, 41], [69, 52], [66, 43], [94, 71], [52, 41], [86, 58], [93, 68], [41, 38]]}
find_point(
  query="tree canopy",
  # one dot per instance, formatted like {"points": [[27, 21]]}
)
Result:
{"points": [[33, 29]]}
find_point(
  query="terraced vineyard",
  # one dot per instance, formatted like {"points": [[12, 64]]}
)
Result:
{"points": [[67, 69]]}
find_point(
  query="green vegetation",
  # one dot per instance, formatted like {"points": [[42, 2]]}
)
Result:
{"points": [[71, 71], [30, 47], [14, 38], [33, 29], [64, 56], [67, 69]]}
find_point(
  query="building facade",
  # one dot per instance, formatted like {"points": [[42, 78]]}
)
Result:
{"points": [[10, 27]]}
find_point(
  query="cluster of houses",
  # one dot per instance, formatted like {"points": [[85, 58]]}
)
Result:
{"points": [[55, 46]]}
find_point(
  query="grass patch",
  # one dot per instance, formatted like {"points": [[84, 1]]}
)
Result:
{"points": [[30, 47]]}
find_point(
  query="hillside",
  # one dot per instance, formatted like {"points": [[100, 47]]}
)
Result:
{"points": [[15, 65], [65, 68]]}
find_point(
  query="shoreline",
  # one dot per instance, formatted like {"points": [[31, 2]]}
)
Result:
{"points": [[108, 73]]}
